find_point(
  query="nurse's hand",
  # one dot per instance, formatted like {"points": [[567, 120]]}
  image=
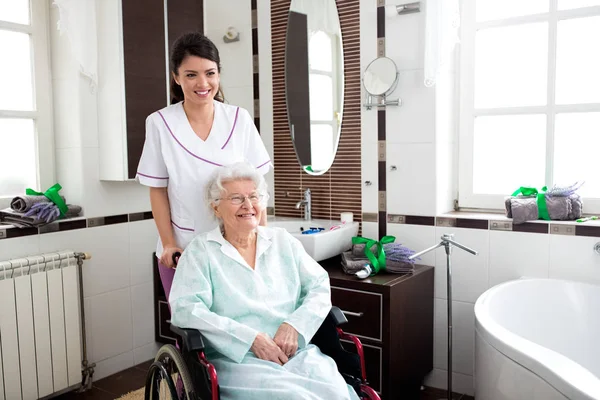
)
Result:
{"points": [[265, 348], [166, 257], [286, 338]]}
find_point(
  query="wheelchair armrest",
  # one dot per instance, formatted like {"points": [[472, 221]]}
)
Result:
{"points": [[337, 316], [191, 338]]}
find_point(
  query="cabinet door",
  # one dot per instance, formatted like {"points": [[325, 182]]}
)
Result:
{"points": [[145, 71]]}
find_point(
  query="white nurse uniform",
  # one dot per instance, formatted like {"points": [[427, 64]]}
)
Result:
{"points": [[176, 158]]}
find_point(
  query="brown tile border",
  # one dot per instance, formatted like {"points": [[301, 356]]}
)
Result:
{"points": [[419, 220], [9, 231], [531, 227], [472, 223], [582, 230]]}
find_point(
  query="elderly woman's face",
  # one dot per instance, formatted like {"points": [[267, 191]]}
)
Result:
{"points": [[240, 207]]}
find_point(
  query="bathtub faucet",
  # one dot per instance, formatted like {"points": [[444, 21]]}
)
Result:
{"points": [[447, 242]]}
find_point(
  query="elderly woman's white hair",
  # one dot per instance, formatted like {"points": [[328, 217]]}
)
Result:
{"points": [[239, 171]]}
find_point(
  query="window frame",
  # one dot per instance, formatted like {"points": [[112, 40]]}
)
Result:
{"points": [[39, 32], [467, 111]]}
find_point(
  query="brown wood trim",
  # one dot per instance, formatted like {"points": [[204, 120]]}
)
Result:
{"points": [[145, 71]]}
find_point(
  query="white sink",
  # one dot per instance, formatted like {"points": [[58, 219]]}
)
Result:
{"points": [[322, 245]]}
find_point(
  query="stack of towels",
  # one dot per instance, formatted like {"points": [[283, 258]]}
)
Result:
{"points": [[396, 258], [34, 211]]}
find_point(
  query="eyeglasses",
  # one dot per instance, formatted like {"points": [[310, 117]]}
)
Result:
{"points": [[238, 199]]}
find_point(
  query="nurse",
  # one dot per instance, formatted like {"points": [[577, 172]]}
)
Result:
{"points": [[187, 141]]}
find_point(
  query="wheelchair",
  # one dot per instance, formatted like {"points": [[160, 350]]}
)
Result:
{"points": [[183, 371]]}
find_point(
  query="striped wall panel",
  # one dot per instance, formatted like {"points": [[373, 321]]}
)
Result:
{"points": [[338, 190]]}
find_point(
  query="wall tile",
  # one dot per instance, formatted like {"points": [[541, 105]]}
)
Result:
{"points": [[574, 258], [469, 272], [370, 230], [109, 198], [108, 269], [143, 237], [517, 254], [69, 172], [414, 121], [416, 238], [145, 353], [19, 247], [405, 39], [411, 187], [67, 132], [113, 365], [446, 163], [369, 172], [88, 124], [241, 96], [111, 324], [225, 13], [463, 336], [142, 311]]}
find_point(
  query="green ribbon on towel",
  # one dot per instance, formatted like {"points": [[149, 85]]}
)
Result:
{"points": [[377, 260], [52, 195], [540, 198]]}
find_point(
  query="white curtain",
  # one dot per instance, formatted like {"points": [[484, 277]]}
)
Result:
{"points": [[321, 15], [442, 22], [77, 19]]}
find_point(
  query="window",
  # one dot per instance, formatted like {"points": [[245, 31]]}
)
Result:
{"points": [[530, 99], [324, 124], [26, 141]]}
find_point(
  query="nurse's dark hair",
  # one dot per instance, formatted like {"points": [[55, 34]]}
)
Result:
{"points": [[192, 44]]}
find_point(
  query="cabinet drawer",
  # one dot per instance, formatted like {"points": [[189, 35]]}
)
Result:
{"points": [[373, 363], [362, 309]]}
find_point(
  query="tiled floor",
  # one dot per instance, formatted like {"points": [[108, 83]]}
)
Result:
{"points": [[114, 386]]}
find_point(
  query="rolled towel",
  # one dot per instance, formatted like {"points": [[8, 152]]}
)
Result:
{"points": [[24, 203], [10, 216], [523, 209], [351, 263]]}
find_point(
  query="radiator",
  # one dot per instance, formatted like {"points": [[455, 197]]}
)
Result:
{"points": [[42, 329]]}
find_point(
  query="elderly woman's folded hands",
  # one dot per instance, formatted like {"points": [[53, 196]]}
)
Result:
{"points": [[265, 348], [278, 349]]}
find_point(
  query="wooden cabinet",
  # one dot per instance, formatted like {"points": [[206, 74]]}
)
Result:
{"points": [[134, 40], [393, 317]]}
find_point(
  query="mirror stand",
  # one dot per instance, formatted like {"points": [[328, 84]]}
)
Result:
{"points": [[379, 101]]}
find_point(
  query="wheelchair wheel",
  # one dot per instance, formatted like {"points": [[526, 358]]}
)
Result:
{"points": [[168, 377]]}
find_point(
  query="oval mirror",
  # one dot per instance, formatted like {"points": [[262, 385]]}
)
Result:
{"points": [[380, 76], [314, 82]]}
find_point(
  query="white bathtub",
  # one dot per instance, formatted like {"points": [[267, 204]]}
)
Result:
{"points": [[538, 339]]}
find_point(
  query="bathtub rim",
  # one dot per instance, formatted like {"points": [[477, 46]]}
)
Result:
{"points": [[565, 375]]}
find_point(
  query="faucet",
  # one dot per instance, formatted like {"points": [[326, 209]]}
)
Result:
{"points": [[307, 203]]}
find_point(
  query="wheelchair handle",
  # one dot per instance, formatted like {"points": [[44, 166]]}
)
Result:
{"points": [[176, 257]]}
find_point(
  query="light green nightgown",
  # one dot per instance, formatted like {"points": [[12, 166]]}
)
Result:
{"points": [[216, 291]]}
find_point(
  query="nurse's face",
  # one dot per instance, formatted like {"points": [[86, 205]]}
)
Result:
{"points": [[199, 79], [240, 206]]}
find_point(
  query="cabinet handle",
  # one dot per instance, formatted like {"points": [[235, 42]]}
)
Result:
{"points": [[353, 314]]}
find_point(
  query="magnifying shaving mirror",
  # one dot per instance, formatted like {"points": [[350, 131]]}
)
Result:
{"points": [[380, 79]]}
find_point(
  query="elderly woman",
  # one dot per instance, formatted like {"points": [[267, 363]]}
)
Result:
{"points": [[257, 297]]}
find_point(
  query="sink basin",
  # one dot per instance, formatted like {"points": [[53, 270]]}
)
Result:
{"points": [[322, 245]]}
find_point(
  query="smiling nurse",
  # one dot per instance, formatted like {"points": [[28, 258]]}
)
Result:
{"points": [[188, 140]]}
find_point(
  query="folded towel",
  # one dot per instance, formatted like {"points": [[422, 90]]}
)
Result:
{"points": [[24, 203], [21, 220], [352, 264], [522, 209], [358, 250]]}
